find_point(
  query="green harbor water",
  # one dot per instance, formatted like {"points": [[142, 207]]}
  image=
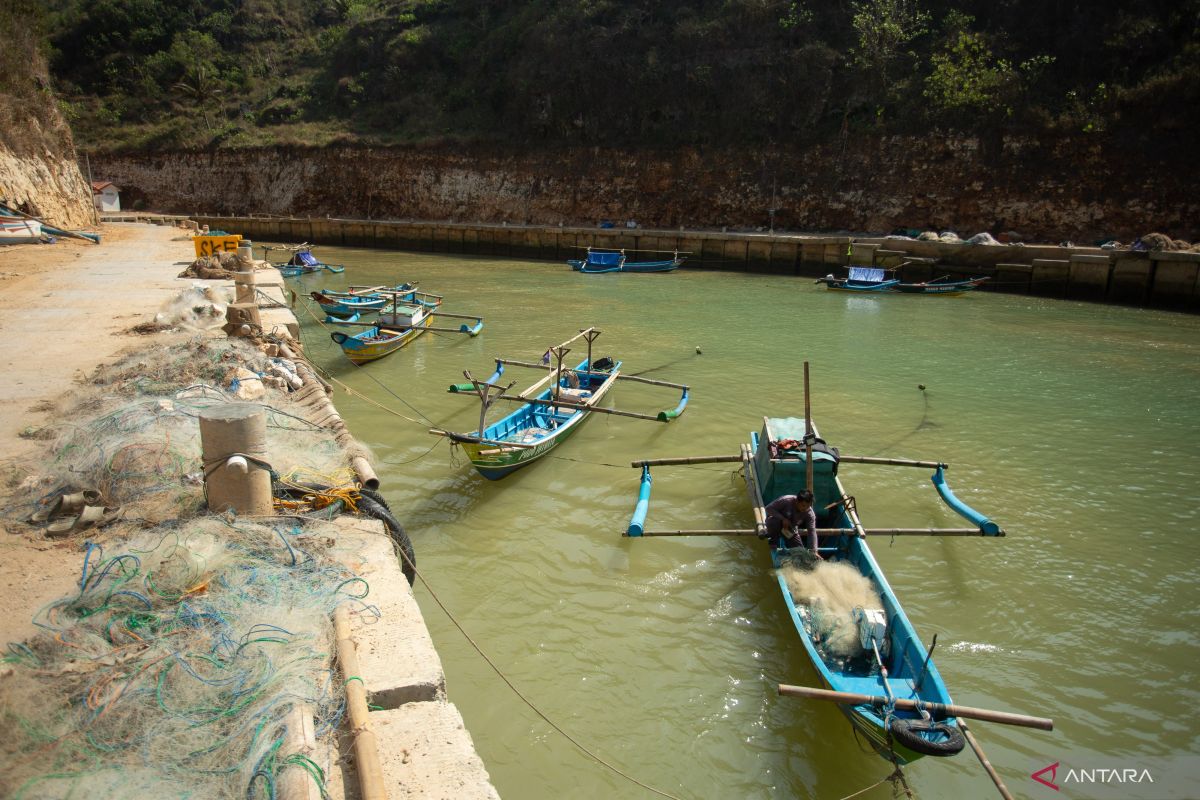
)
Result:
{"points": [[1075, 426]]}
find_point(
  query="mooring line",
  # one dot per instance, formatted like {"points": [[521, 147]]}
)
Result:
{"points": [[382, 385], [500, 673]]}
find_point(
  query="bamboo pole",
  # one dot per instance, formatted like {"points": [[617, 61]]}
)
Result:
{"points": [[300, 739], [808, 436], [366, 750], [438, 330], [477, 440], [652, 382], [753, 489], [894, 462], [455, 316], [828, 532], [943, 709], [987, 765], [560, 403], [654, 462]]}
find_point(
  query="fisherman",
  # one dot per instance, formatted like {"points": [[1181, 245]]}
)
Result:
{"points": [[796, 511]]}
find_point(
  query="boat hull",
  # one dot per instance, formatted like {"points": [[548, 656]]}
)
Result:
{"points": [[949, 288], [375, 343], [501, 451], [911, 674], [629, 266], [20, 231]]}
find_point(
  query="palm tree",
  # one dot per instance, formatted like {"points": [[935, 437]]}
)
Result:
{"points": [[202, 89]]}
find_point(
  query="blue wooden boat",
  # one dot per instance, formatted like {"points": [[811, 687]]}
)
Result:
{"points": [[302, 262], [888, 662], [598, 261], [347, 306], [551, 410], [397, 324], [862, 279]]}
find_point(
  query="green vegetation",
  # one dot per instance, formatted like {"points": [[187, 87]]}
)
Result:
{"points": [[169, 73]]}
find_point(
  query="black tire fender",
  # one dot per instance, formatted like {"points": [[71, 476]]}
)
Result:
{"points": [[908, 733], [408, 558]]}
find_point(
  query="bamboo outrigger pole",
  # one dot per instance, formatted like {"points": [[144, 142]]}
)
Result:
{"points": [[830, 532], [943, 709]]}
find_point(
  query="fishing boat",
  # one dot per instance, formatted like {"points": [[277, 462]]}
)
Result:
{"points": [[862, 279], [19, 231], [597, 261], [875, 280], [302, 261], [942, 286], [869, 658], [398, 324], [348, 306], [551, 409]]}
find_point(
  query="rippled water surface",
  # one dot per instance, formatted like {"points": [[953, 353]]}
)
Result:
{"points": [[1073, 425]]}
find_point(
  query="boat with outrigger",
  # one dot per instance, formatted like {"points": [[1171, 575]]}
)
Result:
{"points": [[871, 661], [300, 262], [875, 280], [599, 261], [552, 409], [403, 315]]}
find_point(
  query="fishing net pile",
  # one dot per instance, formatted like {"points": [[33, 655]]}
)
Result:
{"points": [[830, 591], [133, 434], [220, 266], [193, 641], [177, 668]]}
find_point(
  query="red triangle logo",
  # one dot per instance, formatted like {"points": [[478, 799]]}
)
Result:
{"points": [[1053, 770]]}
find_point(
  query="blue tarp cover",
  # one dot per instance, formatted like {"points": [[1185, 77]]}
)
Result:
{"points": [[604, 259], [304, 259], [866, 274]]}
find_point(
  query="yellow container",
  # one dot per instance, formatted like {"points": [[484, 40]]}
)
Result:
{"points": [[211, 245]]}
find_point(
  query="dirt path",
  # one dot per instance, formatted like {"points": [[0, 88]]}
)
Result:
{"points": [[64, 309]]}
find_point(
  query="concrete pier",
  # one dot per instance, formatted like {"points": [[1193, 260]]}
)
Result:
{"points": [[1159, 279]]}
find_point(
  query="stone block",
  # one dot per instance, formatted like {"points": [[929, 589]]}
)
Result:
{"points": [[1013, 278], [395, 652], [1049, 277], [425, 751], [1088, 278], [1175, 280], [1130, 281]]}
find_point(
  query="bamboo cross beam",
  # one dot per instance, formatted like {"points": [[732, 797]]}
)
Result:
{"points": [[455, 316], [893, 462], [441, 330], [945, 710], [476, 439], [560, 403], [581, 334], [513, 363], [831, 532], [654, 462], [652, 382]]}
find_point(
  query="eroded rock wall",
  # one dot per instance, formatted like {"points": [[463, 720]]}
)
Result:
{"points": [[38, 171], [1071, 188]]}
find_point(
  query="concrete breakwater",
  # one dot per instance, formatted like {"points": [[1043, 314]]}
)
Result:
{"points": [[1159, 279], [173, 600]]}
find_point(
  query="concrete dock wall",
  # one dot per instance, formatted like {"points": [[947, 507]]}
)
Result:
{"points": [[1161, 279]]}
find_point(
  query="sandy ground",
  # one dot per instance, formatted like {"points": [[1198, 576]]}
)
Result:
{"points": [[64, 310]]}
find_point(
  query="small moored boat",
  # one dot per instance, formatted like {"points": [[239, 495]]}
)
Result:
{"points": [[302, 261], [552, 409], [597, 261], [400, 321], [867, 655]]}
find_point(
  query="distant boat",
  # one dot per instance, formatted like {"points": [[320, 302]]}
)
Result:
{"points": [[19, 231], [404, 316], [614, 261], [875, 280], [302, 262]]}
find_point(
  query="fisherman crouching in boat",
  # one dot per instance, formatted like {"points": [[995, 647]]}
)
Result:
{"points": [[796, 512]]}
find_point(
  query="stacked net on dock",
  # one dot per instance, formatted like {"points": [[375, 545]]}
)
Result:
{"points": [[175, 669]]}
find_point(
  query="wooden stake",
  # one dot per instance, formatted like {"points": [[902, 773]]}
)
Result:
{"points": [[987, 765], [366, 749], [808, 436], [943, 709]]}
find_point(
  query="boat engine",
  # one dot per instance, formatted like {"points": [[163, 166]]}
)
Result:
{"points": [[872, 627]]}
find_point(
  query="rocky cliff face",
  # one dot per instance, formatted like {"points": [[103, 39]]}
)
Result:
{"points": [[38, 171], [1082, 189]]}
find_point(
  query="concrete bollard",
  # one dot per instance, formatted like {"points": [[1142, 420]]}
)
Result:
{"points": [[233, 439], [244, 284]]}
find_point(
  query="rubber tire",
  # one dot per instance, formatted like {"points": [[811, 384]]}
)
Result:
{"points": [[903, 733], [408, 558], [376, 496]]}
